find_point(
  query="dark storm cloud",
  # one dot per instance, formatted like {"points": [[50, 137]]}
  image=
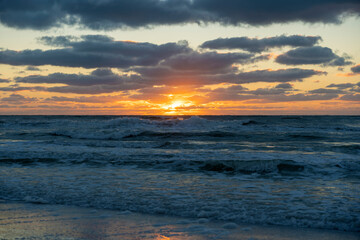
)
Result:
{"points": [[263, 44], [35, 14], [94, 51], [110, 14], [312, 55], [356, 69], [262, 12]]}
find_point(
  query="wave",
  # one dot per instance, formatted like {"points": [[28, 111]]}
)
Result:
{"points": [[169, 163], [251, 198]]}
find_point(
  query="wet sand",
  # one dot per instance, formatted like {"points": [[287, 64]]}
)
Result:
{"points": [[42, 221]]}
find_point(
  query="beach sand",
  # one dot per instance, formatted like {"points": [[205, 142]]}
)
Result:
{"points": [[42, 221]]}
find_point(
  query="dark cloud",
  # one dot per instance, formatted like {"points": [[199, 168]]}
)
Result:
{"points": [[97, 77], [206, 62], [281, 75], [312, 55], [32, 68], [95, 89], [326, 90], [341, 85], [4, 80], [17, 99], [238, 93], [263, 44], [94, 51], [110, 14], [356, 69], [97, 82], [17, 89], [37, 14], [262, 12], [105, 81], [268, 91], [194, 65], [300, 97], [351, 97], [83, 99], [199, 75], [284, 86]]}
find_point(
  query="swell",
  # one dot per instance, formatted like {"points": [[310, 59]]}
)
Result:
{"points": [[204, 166]]}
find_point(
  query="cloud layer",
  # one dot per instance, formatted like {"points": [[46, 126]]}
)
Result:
{"points": [[110, 14], [92, 51]]}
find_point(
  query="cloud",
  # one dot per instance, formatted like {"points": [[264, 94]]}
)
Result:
{"points": [[259, 45], [96, 89], [341, 85], [94, 51], [17, 99], [284, 86], [83, 99], [356, 69], [172, 73], [97, 82], [4, 80], [300, 97], [238, 93], [263, 12], [97, 77], [325, 90], [32, 68], [17, 89], [111, 14], [216, 68], [280, 75], [347, 89], [312, 55], [351, 97], [283, 92], [206, 62]]}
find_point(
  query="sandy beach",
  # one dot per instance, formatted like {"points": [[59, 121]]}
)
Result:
{"points": [[42, 221]]}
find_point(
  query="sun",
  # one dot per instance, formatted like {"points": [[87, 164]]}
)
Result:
{"points": [[176, 104], [172, 107]]}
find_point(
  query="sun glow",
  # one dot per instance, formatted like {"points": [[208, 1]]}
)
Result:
{"points": [[173, 107]]}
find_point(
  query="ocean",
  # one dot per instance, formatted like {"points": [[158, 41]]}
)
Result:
{"points": [[301, 171]]}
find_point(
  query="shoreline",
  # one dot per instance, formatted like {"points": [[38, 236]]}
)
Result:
{"points": [[43, 221]]}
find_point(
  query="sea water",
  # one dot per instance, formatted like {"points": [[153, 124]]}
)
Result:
{"points": [[301, 171]]}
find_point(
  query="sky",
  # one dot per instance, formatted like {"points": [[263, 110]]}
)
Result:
{"points": [[179, 57]]}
